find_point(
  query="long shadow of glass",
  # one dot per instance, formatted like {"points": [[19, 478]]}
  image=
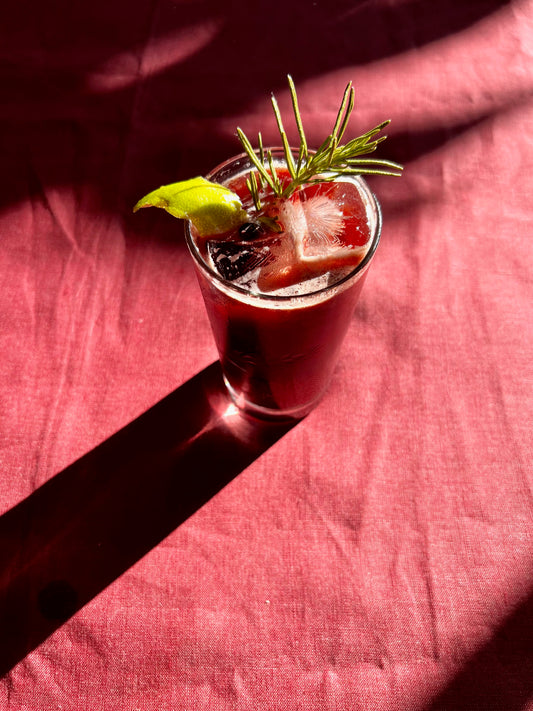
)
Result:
{"points": [[81, 530], [500, 674]]}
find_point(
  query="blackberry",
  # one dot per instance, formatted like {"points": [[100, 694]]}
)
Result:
{"points": [[250, 230], [235, 259]]}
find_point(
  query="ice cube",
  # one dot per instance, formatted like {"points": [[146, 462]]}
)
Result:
{"points": [[234, 260], [317, 236], [316, 224], [324, 229]]}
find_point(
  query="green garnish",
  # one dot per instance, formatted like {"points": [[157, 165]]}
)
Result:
{"points": [[211, 207], [214, 209], [331, 161]]}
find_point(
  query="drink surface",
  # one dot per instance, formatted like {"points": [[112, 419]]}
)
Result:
{"points": [[296, 246]]}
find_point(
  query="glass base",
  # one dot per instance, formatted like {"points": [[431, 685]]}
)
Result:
{"points": [[268, 413]]}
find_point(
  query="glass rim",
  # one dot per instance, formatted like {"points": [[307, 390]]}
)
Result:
{"points": [[285, 298]]}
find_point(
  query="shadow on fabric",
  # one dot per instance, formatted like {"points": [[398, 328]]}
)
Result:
{"points": [[81, 530], [499, 677], [121, 103]]}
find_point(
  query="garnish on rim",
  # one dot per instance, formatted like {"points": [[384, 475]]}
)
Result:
{"points": [[214, 209], [211, 207], [331, 161]]}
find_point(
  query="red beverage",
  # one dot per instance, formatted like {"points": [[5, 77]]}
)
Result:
{"points": [[280, 301]]}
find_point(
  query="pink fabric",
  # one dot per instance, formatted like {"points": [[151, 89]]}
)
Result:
{"points": [[158, 553]]}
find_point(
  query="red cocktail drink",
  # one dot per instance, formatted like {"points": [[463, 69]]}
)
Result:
{"points": [[280, 304], [282, 240]]}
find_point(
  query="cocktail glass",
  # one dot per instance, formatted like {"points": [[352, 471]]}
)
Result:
{"points": [[278, 352]]}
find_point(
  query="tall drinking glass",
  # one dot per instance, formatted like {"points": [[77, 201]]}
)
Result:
{"points": [[278, 352]]}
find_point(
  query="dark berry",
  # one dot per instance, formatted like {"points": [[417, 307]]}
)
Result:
{"points": [[250, 230], [235, 259]]}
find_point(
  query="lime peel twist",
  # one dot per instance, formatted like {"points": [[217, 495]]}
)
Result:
{"points": [[212, 208]]}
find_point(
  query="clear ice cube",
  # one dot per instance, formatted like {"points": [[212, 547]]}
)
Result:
{"points": [[235, 260]]}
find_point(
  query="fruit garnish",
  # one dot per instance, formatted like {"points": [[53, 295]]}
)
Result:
{"points": [[212, 208], [295, 227], [233, 260]]}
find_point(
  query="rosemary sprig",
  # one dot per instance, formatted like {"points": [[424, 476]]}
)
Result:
{"points": [[330, 161]]}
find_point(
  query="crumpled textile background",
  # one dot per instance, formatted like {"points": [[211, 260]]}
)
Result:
{"points": [[158, 554]]}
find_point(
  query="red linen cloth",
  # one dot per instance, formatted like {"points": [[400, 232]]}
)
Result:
{"points": [[157, 552]]}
